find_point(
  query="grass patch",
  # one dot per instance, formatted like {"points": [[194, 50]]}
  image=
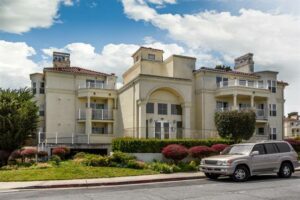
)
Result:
{"points": [[69, 170]]}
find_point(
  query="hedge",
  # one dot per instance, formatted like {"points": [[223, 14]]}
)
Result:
{"points": [[131, 145]]}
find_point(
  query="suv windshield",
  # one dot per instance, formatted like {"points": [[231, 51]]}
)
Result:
{"points": [[238, 150]]}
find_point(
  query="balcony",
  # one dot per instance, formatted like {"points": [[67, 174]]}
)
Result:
{"points": [[261, 114], [95, 114], [242, 87], [242, 83], [90, 85]]}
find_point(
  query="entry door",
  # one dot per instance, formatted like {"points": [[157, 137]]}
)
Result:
{"points": [[179, 130], [158, 130], [166, 130]]}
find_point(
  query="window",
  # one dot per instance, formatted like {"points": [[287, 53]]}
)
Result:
{"points": [[242, 82], [273, 134], [283, 147], [271, 148], [261, 131], [99, 106], [221, 81], [292, 123], [151, 56], [272, 108], [34, 87], [166, 131], [260, 84], [260, 148], [222, 105], [42, 88], [150, 108], [99, 130], [272, 86], [250, 83], [176, 109], [94, 83], [162, 108], [244, 106], [42, 110], [137, 58]]}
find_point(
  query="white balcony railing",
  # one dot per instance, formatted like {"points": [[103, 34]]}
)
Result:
{"points": [[102, 114], [242, 83], [90, 85]]}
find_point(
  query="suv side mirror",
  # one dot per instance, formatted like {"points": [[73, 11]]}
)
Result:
{"points": [[254, 153]]}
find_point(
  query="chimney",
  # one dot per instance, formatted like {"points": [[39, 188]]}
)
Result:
{"points": [[61, 60], [244, 63]]}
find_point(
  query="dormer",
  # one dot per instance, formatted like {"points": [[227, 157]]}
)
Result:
{"points": [[149, 54], [244, 63], [61, 60]]}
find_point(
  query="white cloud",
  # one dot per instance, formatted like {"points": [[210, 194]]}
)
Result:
{"points": [[273, 37], [113, 58], [15, 64], [19, 16]]}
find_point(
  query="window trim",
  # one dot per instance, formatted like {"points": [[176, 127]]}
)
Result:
{"points": [[159, 110]]}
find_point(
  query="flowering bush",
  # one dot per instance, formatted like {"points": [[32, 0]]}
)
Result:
{"points": [[295, 143], [16, 154], [28, 153], [219, 147], [175, 152], [201, 151], [61, 151]]}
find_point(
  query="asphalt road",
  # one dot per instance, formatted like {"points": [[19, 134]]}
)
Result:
{"points": [[262, 187]]}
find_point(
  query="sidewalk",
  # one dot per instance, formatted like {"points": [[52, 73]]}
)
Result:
{"points": [[100, 181]]}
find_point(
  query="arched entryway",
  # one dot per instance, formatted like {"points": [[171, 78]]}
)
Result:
{"points": [[164, 110]]}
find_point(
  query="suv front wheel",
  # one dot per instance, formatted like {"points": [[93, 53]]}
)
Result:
{"points": [[286, 170], [241, 173]]}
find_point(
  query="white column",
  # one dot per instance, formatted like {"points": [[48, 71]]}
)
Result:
{"points": [[186, 120], [141, 119], [252, 101], [235, 102]]}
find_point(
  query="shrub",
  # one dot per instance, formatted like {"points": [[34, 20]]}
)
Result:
{"points": [[121, 158], [79, 155], [97, 161], [219, 147], [29, 153], [61, 151], [16, 154], [175, 152], [133, 145], [134, 164], [295, 143], [162, 167], [200, 152], [42, 154], [55, 160]]}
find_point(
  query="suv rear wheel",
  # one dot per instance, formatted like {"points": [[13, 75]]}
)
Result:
{"points": [[286, 170], [241, 173], [212, 176]]}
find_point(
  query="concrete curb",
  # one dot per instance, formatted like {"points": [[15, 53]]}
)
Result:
{"points": [[113, 183]]}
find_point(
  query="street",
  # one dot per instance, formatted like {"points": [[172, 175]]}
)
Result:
{"points": [[261, 187]]}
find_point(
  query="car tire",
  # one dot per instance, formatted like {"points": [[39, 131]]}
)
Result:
{"points": [[212, 176], [240, 174], [285, 170]]}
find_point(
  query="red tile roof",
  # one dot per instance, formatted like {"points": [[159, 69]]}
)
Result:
{"points": [[228, 72], [76, 70]]}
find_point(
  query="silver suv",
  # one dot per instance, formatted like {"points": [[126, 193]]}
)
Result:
{"points": [[241, 161]]}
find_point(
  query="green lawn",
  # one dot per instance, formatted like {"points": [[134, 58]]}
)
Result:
{"points": [[69, 170]]}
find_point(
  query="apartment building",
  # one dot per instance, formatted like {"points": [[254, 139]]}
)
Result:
{"points": [[292, 125], [77, 105], [161, 98]]}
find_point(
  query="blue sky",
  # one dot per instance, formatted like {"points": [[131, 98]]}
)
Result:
{"points": [[102, 34]]}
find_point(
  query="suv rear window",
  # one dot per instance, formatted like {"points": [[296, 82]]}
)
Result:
{"points": [[283, 147], [271, 148]]}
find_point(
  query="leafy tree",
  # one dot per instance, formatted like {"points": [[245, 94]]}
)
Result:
{"points": [[18, 118], [235, 125], [223, 67]]}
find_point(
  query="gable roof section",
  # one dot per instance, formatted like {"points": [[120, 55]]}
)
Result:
{"points": [[76, 70]]}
